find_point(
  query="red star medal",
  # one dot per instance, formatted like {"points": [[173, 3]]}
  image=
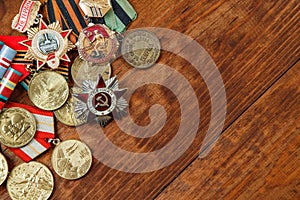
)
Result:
{"points": [[101, 100], [48, 44]]}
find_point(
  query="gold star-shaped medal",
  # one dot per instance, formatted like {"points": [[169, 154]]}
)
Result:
{"points": [[48, 44]]}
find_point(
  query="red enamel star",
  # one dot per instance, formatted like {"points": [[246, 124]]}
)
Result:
{"points": [[99, 100], [48, 44]]}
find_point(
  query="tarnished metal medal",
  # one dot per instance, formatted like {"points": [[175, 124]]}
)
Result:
{"points": [[67, 115], [48, 44], [71, 159], [17, 127], [3, 169], [101, 100], [95, 8], [82, 70], [26, 16], [140, 48], [97, 44], [48, 90], [31, 180]]}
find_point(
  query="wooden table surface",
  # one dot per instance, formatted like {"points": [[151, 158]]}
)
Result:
{"points": [[255, 45]]}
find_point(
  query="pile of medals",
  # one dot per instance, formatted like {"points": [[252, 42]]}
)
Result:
{"points": [[39, 62]]}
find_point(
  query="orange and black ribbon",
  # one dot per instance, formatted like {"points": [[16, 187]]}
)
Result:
{"points": [[70, 16]]}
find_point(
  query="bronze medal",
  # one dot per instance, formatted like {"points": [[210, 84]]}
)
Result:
{"points": [[71, 159], [48, 90], [67, 115], [17, 127], [3, 169], [31, 180], [82, 70]]}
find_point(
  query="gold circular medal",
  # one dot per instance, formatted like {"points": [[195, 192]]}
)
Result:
{"points": [[82, 70], [140, 48], [97, 44], [67, 115], [31, 180], [48, 90], [3, 169], [17, 127], [71, 159]]}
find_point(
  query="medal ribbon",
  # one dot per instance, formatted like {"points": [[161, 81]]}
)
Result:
{"points": [[45, 130], [7, 54], [19, 62], [8, 84], [70, 16], [63, 69]]}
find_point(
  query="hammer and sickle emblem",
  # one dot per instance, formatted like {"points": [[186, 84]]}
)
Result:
{"points": [[102, 102]]}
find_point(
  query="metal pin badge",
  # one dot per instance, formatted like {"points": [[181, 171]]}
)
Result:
{"points": [[48, 44], [100, 100]]}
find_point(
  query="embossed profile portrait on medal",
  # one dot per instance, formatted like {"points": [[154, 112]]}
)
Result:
{"points": [[17, 127]]}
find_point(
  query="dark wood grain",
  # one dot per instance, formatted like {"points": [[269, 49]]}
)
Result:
{"points": [[258, 157], [253, 43]]}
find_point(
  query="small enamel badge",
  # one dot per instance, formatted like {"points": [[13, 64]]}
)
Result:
{"points": [[48, 44], [26, 16], [95, 8], [100, 100], [97, 44]]}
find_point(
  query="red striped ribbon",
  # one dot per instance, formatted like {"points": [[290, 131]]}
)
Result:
{"points": [[8, 84], [19, 62], [45, 131]]}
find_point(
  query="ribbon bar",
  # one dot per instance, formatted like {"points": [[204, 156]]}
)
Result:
{"points": [[7, 54], [8, 84]]}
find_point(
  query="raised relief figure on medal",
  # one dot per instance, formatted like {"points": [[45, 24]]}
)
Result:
{"points": [[97, 44], [48, 90], [17, 127], [48, 44], [66, 114], [71, 159], [82, 69], [31, 180]]}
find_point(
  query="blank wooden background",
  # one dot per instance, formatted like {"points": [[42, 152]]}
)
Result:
{"points": [[255, 45]]}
